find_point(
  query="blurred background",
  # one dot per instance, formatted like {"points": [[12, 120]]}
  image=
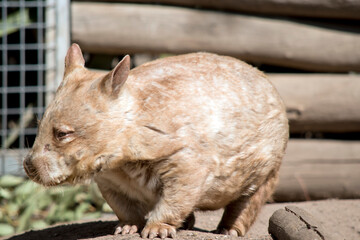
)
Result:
{"points": [[309, 49]]}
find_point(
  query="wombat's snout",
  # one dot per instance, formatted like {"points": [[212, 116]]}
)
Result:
{"points": [[29, 167]]}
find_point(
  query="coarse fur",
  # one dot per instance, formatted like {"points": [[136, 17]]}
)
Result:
{"points": [[191, 132]]}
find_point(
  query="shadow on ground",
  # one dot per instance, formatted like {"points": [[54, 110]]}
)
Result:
{"points": [[70, 232], [87, 230]]}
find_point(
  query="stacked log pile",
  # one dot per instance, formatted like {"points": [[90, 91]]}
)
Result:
{"points": [[348, 9], [320, 37], [319, 169], [132, 28], [320, 102]]}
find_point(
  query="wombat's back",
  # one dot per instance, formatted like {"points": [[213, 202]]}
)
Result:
{"points": [[219, 97]]}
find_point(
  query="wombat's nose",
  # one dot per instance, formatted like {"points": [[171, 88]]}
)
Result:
{"points": [[28, 167]]}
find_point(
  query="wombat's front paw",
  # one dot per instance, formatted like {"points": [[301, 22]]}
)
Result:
{"points": [[162, 230], [125, 229]]}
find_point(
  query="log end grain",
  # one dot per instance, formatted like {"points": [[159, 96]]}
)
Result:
{"points": [[294, 223]]}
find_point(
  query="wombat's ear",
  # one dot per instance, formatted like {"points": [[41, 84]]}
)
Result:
{"points": [[74, 58], [113, 82]]}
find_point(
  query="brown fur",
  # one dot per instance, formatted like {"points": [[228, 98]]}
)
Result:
{"points": [[176, 135]]}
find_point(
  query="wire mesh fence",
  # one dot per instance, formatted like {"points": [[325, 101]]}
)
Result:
{"points": [[28, 72]]}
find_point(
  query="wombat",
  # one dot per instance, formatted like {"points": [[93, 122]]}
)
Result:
{"points": [[179, 134]]}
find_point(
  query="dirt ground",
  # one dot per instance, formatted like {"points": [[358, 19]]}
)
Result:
{"points": [[340, 218]]}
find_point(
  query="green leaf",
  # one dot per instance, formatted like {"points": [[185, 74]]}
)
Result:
{"points": [[67, 201], [26, 188], [8, 181], [38, 224], [93, 215], [81, 197], [68, 216], [25, 204], [44, 201], [4, 193], [81, 209], [33, 199], [95, 195], [56, 191], [106, 208], [12, 210], [24, 219], [6, 229]]}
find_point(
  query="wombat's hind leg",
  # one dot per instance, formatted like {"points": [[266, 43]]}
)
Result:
{"points": [[240, 214]]}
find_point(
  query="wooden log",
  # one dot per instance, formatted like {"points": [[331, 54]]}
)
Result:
{"points": [[319, 169], [320, 102], [317, 8], [295, 223], [129, 28]]}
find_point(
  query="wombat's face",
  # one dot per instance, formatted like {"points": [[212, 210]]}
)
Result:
{"points": [[70, 140]]}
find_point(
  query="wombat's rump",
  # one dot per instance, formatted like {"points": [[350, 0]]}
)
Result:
{"points": [[179, 134]]}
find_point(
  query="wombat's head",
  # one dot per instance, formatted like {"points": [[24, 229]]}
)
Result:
{"points": [[72, 139]]}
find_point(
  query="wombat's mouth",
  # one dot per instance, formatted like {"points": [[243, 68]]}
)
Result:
{"points": [[56, 182], [70, 179], [50, 182], [53, 175], [46, 181]]}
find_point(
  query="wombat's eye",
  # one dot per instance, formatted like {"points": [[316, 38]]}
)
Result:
{"points": [[61, 135]]}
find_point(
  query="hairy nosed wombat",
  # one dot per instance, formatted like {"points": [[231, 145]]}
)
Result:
{"points": [[179, 134]]}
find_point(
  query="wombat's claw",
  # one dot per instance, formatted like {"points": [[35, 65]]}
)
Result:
{"points": [[162, 230], [231, 232], [125, 229]]}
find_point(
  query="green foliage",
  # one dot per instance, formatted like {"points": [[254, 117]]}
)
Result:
{"points": [[27, 205]]}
